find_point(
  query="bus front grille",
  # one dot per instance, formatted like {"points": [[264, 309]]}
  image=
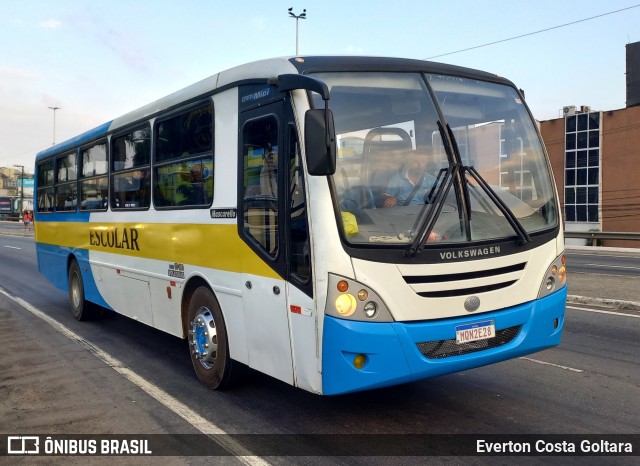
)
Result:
{"points": [[447, 348], [465, 283]]}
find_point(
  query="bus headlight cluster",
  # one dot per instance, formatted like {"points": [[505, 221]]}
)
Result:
{"points": [[555, 278], [352, 300]]}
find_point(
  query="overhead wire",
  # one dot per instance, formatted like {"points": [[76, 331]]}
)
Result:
{"points": [[534, 32]]}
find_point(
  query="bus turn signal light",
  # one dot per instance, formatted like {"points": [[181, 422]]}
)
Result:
{"points": [[562, 274]]}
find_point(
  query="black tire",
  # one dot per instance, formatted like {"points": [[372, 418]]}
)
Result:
{"points": [[205, 326], [80, 308]]}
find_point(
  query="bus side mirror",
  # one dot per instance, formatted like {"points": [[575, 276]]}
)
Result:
{"points": [[320, 142]]}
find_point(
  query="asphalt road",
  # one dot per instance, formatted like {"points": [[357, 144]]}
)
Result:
{"points": [[616, 262], [56, 383]]}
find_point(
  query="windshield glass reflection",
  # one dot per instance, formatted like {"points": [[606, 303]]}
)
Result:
{"points": [[392, 160]]}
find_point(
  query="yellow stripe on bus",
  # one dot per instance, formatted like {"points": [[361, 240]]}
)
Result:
{"points": [[211, 246]]}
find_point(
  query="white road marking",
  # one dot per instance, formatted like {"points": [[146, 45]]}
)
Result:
{"points": [[12, 247], [182, 410], [599, 311], [573, 369], [606, 266], [567, 368], [608, 275]]}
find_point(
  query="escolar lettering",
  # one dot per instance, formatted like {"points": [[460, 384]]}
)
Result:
{"points": [[126, 238]]}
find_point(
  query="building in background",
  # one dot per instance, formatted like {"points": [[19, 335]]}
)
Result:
{"points": [[16, 192], [595, 156]]}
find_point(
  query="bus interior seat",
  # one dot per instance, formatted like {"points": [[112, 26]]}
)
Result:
{"points": [[385, 150]]}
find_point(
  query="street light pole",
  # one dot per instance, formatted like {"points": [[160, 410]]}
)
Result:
{"points": [[302, 15], [54, 124], [21, 187]]}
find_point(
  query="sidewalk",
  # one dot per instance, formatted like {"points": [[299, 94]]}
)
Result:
{"points": [[15, 229], [615, 292]]}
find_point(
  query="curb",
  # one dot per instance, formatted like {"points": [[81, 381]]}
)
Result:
{"points": [[606, 302]]}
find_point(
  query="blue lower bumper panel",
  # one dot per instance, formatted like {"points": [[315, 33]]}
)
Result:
{"points": [[401, 352]]}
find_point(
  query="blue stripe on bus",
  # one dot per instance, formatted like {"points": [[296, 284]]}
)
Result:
{"points": [[392, 355], [53, 264], [62, 216], [73, 144]]}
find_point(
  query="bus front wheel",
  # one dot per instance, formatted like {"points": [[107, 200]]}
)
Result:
{"points": [[208, 342], [80, 308]]}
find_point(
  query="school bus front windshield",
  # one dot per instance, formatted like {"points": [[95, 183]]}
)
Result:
{"points": [[468, 162]]}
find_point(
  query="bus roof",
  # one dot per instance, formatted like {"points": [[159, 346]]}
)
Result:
{"points": [[265, 69]]}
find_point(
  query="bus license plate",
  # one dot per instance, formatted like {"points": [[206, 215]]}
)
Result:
{"points": [[475, 331]]}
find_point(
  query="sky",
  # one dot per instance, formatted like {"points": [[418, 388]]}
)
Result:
{"points": [[97, 60]]}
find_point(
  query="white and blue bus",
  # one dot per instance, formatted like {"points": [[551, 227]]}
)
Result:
{"points": [[339, 223]]}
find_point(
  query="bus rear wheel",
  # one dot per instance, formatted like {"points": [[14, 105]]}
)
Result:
{"points": [[208, 340], [80, 308]]}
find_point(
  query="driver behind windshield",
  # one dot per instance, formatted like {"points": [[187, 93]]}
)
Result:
{"points": [[410, 185]]}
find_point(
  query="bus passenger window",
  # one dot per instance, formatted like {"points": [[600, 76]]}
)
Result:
{"points": [[45, 176], [184, 183], [131, 178], [94, 184], [130, 190], [66, 190], [66, 197], [183, 159]]}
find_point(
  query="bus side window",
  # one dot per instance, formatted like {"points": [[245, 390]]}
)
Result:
{"points": [[183, 159], [260, 170], [45, 175], [300, 256], [131, 175]]}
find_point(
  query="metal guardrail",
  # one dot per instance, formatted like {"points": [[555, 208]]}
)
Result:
{"points": [[623, 235]]}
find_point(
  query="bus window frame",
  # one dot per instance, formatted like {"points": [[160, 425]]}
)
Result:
{"points": [[138, 126], [194, 157], [48, 188], [82, 178], [57, 183]]}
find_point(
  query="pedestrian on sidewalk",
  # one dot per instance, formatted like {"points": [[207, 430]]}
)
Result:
{"points": [[26, 218]]}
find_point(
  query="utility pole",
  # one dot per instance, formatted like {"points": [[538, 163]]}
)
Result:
{"points": [[302, 15], [54, 124]]}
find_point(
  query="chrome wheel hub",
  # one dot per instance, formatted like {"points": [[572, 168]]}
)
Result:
{"points": [[203, 338]]}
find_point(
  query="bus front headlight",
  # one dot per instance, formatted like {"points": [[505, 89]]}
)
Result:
{"points": [[349, 299], [555, 278], [370, 309], [346, 304]]}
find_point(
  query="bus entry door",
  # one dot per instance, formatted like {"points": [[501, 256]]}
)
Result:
{"points": [[261, 200]]}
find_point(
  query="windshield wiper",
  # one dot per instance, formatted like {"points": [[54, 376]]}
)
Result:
{"points": [[451, 174], [462, 191], [435, 206], [456, 172], [522, 233]]}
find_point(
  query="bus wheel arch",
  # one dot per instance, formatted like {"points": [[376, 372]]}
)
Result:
{"points": [[80, 307], [206, 332]]}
